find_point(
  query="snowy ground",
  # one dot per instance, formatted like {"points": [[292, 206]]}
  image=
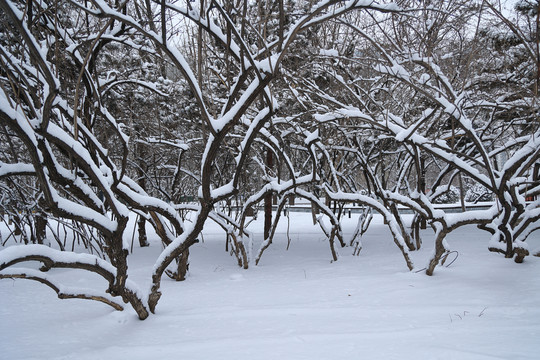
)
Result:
{"points": [[295, 305]]}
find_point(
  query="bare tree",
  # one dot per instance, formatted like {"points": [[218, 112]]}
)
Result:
{"points": [[79, 153], [422, 101]]}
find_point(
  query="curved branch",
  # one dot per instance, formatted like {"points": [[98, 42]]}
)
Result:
{"points": [[63, 292]]}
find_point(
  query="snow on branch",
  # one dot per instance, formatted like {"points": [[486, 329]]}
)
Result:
{"points": [[63, 292], [16, 169], [52, 258]]}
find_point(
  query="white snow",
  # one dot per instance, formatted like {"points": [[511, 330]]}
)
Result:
{"points": [[329, 52], [223, 190], [14, 252], [311, 137], [6, 169], [295, 305]]}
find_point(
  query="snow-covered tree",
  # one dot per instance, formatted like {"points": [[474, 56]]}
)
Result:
{"points": [[421, 95], [73, 107]]}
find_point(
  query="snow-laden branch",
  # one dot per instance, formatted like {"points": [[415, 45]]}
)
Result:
{"points": [[52, 258], [63, 292], [18, 169]]}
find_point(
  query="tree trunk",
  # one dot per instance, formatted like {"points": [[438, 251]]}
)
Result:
{"points": [[406, 236], [268, 198], [17, 224], [183, 266], [143, 240], [141, 224], [423, 222], [440, 249], [41, 227]]}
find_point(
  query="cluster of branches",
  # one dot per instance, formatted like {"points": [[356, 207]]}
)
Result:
{"points": [[429, 104], [168, 109]]}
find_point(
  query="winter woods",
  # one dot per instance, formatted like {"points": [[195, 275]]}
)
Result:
{"points": [[176, 113]]}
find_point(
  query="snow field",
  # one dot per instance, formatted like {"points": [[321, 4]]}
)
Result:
{"points": [[295, 305]]}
